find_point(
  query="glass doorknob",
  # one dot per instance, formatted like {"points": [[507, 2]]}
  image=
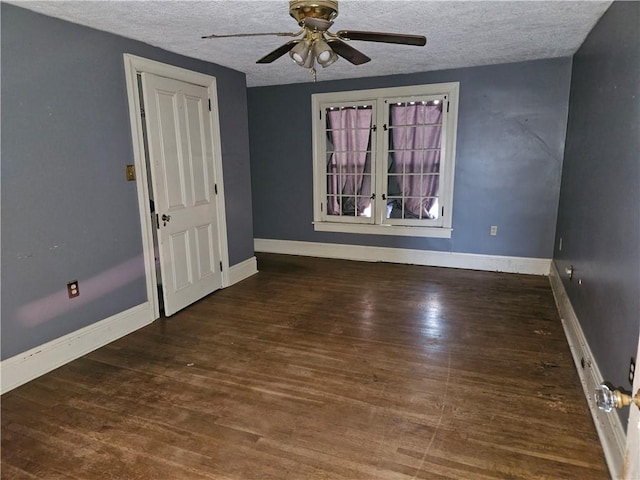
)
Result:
{"points": [[607, 399]]}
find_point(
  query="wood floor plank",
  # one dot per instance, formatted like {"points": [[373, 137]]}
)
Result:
{"points": [[321, 369]]}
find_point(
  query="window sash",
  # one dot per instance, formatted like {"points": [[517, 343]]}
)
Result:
{"points": [[415, 154], [349, 162]]}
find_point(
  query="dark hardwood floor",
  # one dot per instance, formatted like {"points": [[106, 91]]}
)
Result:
{"points": [[321, 369]]}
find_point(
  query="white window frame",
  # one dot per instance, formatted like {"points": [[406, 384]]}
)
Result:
{"points": [[380, 99]]}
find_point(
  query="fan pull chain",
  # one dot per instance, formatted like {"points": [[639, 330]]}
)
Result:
{"points": [[312, 72]]}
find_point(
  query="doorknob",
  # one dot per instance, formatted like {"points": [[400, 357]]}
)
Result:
{"points": [[165, 218], [607, 399]]}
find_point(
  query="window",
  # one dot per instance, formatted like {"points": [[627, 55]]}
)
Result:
{"points": [[384, 160]]}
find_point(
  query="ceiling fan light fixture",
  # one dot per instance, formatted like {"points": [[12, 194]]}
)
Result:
{"points": [[310, 61], [300, 52], [324, 53], [331, 61]]}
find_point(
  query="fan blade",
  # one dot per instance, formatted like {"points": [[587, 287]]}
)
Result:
{"points": [[278, 34], [347, 52], [417, 40], [278, 52]]}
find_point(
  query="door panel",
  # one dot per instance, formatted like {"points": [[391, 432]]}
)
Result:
{"points": [[182, 172], [180, 256], [204, 242], [200, 173], [169, 156]]}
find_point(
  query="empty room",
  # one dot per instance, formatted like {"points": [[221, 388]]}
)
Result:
{"points": [[319, 239]]}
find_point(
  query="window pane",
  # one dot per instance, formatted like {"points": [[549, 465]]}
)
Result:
{"points": [[348, 171], [415, 136]]}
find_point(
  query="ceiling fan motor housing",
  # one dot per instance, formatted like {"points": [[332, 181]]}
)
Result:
{"points": [[324, 9]]}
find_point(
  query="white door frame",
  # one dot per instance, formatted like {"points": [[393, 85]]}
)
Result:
{"points": [[133, 65], [631, 463]]}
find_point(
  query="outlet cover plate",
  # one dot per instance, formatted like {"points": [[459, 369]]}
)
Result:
{"points": [[73, 290]]}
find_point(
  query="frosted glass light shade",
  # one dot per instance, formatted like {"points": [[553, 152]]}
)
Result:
{"points": [[300, 52], [323, 52]]}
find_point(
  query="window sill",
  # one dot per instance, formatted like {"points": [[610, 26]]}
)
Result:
{"points": [[432, 232]]}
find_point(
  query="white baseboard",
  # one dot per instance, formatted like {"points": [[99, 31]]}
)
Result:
{"points": [[608, 425], [469, 261], [26, 366], [243, 270]]}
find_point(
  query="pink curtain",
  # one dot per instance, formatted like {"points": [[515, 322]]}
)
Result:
{"points": [[416, 133], [349, 167]]}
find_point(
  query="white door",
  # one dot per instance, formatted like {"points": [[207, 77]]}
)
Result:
{"points": [[183, 181], [631, 467]]}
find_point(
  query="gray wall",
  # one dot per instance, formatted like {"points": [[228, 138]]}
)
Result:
{"points": [[67, 211], [511, 131], [599, 213]]}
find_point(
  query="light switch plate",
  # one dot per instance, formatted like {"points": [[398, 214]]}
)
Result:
{"points": [[131, 173]]}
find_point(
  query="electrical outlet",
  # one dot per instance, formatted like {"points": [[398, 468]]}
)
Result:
{"points": [[632, 370], [494, 230], [73, 290]]}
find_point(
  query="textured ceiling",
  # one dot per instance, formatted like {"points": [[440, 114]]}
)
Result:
{"points": [[459, 33]]}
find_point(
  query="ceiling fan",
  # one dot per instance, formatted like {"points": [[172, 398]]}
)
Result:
{"points": [[317, 43]]}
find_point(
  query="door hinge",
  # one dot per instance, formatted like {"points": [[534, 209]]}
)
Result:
{"points": [[157, 222], [215, 188], [447, 107], [220, 265], [209, 104], [142, 114], [321, 207], [442, 214]]}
